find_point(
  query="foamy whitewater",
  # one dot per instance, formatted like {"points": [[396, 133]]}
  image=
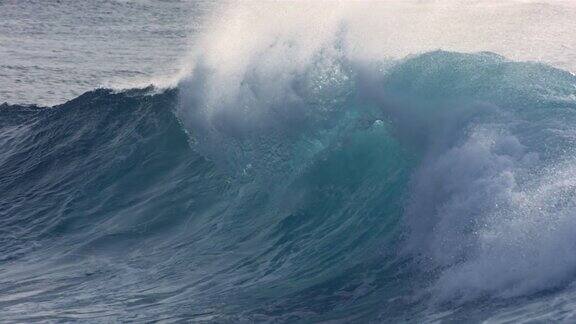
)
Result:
{"points": [[304, 162]]}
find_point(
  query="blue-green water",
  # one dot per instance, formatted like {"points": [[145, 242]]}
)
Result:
{"points": [[436, 187]]}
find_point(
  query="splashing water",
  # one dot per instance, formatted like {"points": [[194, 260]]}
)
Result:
{"points": [[300, 171]]}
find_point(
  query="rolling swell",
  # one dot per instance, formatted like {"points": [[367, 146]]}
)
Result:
{"points": [[428, 187]]}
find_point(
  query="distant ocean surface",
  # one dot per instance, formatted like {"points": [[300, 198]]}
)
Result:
{"points": [[54, 50], [287, 162]]}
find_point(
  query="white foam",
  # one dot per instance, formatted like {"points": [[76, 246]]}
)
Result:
{"points": [[500, 221]]}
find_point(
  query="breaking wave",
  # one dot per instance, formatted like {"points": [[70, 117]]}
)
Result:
{"points": [[285, 179]]}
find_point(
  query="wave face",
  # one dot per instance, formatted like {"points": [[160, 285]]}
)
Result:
{"points": [[437, 187]]}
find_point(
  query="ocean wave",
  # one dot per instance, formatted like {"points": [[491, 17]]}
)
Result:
{"points": [[285, 179]]}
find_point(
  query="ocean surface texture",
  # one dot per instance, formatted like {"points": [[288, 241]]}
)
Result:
{"points": [[287, 162]]}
